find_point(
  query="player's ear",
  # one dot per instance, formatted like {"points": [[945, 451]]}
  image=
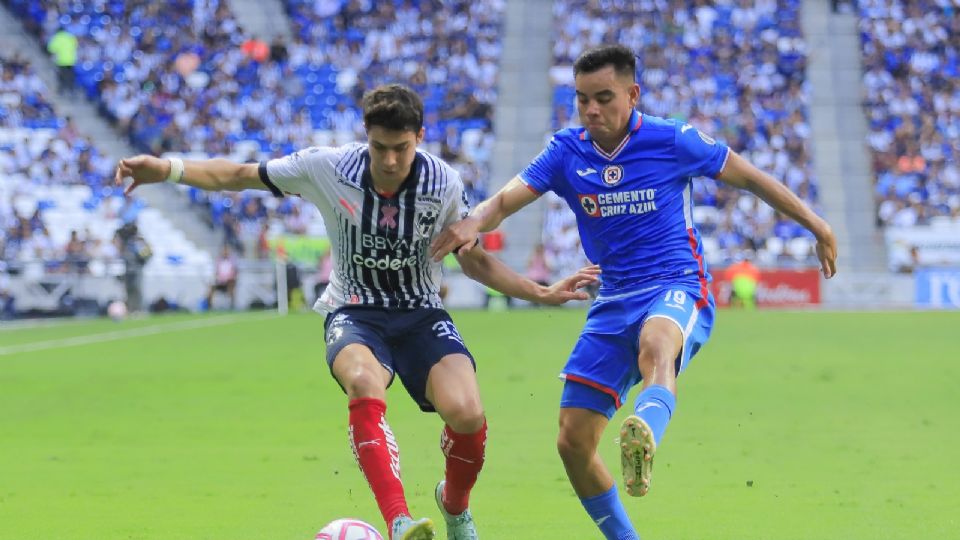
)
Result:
{"points": [[634, 94], [420, 135]]}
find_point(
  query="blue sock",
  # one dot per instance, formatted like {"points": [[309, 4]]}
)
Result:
{"points": [[608, 513], [655, 405]]}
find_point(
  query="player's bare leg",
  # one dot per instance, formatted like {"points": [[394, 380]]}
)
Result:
{"points": [[580, 432], [452, 389], [360, 374], [660, 344], [577, 443], [374, 446]]}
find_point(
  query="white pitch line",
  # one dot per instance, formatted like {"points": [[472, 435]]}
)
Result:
{"points": [[132, 332], [29, 324]]}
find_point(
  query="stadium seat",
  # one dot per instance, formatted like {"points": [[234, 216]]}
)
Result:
{"points": [[800, 248], [774, 246]]}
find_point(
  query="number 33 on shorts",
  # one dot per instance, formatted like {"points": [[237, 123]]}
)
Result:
{"points": [[446, 329]]}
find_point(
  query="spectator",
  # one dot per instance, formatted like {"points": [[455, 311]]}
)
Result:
{"points": [[63, 46], [744, 277], [263, 242], [278, 50], [135, 253], [538, 270], [225, 277], [7, 307], [76, 256], [256, 49]]}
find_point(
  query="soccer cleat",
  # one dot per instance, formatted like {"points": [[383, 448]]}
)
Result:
{"points": [[405, 528], [636, 454], [460, 526]]}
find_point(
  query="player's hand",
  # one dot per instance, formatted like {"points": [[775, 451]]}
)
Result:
{"points": [[143, 169], [568, 288], [459, 237], [827, 253]]}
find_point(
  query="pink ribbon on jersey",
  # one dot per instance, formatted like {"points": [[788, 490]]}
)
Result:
{"points": [[389, 213]]}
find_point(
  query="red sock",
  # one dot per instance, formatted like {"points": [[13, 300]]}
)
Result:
{"points": [[464, 453], [377, 454]]}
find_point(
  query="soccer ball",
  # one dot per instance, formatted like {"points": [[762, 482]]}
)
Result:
{"points": [[348, 529], [117, 310]]}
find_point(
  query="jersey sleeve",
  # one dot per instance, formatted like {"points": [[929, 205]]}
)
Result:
{"points": [[699, 154], [290, 173], [541, 174], [455, 204]]}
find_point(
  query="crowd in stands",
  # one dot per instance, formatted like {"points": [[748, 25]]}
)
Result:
{"points": [[22, 97], [911, 80], [734, 69], [446, 51], [184, 77], [42, 156]]}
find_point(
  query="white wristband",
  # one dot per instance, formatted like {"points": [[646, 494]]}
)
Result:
{"points": [[176, 170]]}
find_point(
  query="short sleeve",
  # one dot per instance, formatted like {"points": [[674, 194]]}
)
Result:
{"points": [[699, 154], [542, 173], [289, 173], [455, 204]]}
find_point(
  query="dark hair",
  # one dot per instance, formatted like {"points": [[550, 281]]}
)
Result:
{"points": [[394, 107], [622, 59]]}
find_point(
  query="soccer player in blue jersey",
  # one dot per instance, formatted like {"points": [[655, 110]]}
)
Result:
{"points": [[628, 176]]}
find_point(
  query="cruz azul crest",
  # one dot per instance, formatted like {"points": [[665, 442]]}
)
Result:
{"points": [[612, 174]]}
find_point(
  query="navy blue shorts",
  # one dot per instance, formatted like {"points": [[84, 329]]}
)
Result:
{"points": [[406, 342]]}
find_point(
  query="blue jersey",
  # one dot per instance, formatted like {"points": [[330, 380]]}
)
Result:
{"points": [[634, 205]]}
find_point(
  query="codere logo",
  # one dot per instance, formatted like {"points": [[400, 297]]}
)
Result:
{"points": [[388, 261], [384, 263]]}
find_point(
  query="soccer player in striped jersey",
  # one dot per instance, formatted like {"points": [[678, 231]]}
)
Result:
{"points": [[627, 176], [382, 203]]}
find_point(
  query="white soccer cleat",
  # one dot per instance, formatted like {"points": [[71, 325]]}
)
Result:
{"points": [[405, 528], [636, 454], [459, 526]]}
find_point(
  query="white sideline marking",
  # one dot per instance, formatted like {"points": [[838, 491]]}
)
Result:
{"points": [[29, 324], [132, 332]]}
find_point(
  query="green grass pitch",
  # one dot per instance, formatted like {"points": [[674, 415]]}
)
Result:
{"points": [[789, 426]]}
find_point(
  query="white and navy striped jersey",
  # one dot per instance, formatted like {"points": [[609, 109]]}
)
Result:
{"points": [[380, 245]]}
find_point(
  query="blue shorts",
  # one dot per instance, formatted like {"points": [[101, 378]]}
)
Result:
{"points": [[406, 342], [603, 366]]}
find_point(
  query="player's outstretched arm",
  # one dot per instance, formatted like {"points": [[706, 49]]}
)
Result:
{"points": [[209, 174], [481, 266], [486, 217], [739, 172]]}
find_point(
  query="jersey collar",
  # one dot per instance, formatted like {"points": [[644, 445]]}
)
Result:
{"points": [[636, 120], [409, 182]]}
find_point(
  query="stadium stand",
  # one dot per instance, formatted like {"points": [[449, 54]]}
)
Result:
{"points": [[450, 57], [22, 101], [734, 70], [911, 63], [59, 212], [186, 79]]}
